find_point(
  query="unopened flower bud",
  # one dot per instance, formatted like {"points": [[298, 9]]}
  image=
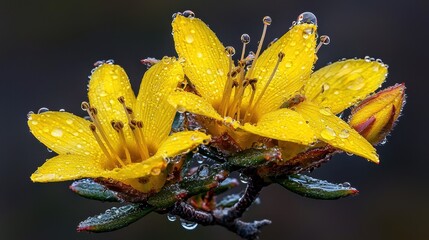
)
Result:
{"points": [[375, 117]]}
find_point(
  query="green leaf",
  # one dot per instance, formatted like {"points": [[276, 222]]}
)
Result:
{"points": [[88, 188], [114, 218], [314, 188]]}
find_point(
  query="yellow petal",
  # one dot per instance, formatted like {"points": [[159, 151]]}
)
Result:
{"points": [[149, 184], [374, 117], [151, 106], [64, 133], [341, 84], [283, 124], [334, 131], [206, 63], [181, 142], [67, 167], [185, 101], [293, 70], [107, 84], [153, 165]]}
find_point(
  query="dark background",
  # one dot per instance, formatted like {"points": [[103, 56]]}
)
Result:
{"points": [[47, 49]]}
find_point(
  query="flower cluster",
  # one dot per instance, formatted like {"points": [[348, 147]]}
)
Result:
{"points": [[267, 115]]}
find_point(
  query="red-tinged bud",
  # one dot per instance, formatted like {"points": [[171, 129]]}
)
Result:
{"points": [[375, 117]]}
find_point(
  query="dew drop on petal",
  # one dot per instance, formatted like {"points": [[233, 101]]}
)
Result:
{"points": [[69, 121], [307, 17], [42, 110], [56, 132], [188, 14], [155, 171], [325, 111], [328, 133], [344, 133], [189, 38]]}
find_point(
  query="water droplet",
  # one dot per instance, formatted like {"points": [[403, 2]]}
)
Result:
{"points": [[349, 154], [171, 217], [244, 178], [384, 141], [34, 122], [99, 63], [42, 110], [62, 110], [267, 20], [357, 84], [325, 87], [325, 111], [307, 17], [155, 171], [245, 38], [49, 150], [29, 115], [307, 32], [188, 225], [230, 51], [367, 59], [288, 64], [344, 133], [346, 184], [325, 39], [56, 132], [189, 38], [110, 61], [181, 109], [69, 121], [328, 133], [176, 14], [188, 14]]}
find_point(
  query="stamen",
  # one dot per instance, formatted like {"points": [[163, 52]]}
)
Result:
{"points": [[92, 113], [118, 126], [100, 143], [252, 83], [223, 107], [324, 40], [142, 147], [280, 58], [139, 129], [267, 21]]}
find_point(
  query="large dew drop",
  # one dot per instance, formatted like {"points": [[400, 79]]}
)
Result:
{"points": [[188, 225], [307, 17], [328, 133], [56, 132]]}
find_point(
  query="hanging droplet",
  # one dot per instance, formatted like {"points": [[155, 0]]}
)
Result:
{"points": [[384, 141], [267, 20], [230, 51], [307, 17], [346, 184], [188, 225], [171, 217], [244, 178], [49, 150], [189, 14], [42, 110], [325, 39], [245, 38], [62, 110]]}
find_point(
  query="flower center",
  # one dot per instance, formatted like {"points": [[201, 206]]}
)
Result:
{"points": [[118, 157]]}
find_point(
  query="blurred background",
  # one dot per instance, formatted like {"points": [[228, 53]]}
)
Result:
{"points": [[47, 49]]}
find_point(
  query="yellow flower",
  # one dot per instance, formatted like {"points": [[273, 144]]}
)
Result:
{"points": [[375, 117], [249, 98], [127, 140]]}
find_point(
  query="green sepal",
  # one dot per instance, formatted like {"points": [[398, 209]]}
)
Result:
{"points": [[314, 188], [88, 188], [253, 157], [114, 218]]}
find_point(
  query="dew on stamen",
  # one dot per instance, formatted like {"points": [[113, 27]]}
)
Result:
{"points": [[230, 51], [267, 20], [245, 38], [325, 39]]}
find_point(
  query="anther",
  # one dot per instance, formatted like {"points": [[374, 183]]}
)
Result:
{"points": [[84, 106], [121, 99], [100, 142], [245, 39], [324, 40]]}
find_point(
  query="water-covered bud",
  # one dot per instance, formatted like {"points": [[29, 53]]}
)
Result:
{"points": [[375, 117]]}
